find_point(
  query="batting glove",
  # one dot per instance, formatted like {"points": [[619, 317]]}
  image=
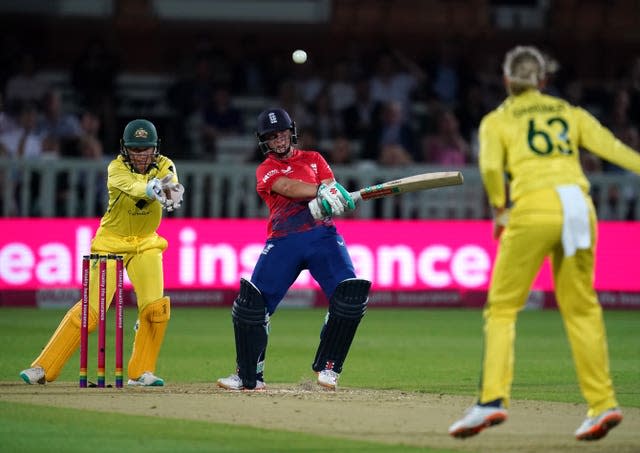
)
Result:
{"points": [[332, 200]]}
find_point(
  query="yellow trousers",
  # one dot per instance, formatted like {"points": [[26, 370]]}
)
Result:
{"points": [[142, 257], [533, 233], [142, 260]]}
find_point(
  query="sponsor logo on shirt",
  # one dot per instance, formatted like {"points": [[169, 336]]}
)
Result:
{"points": [[266, 249], [269, 174], [287, 170]]}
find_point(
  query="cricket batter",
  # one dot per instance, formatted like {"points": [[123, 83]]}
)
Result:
{"points": [[535, 140], [141, 182], [286, 180]]}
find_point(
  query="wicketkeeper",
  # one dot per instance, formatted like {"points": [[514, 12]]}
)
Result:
{"points": [[141, 183], [287, 180]]}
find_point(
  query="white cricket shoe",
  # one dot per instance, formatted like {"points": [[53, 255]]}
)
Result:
{"points": [[476, 419], [148, 379], [33, 375], [234, 382], [594, 428], [328, 379]]}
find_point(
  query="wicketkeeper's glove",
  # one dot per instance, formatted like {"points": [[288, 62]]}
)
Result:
{"points": [[154, 191], [173, 191]]}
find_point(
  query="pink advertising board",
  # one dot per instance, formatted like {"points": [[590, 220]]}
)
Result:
{"points": [[397, 256]]}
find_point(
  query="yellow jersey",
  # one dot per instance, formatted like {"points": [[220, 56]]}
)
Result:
{"points": [[535, 139], [130, 212]]}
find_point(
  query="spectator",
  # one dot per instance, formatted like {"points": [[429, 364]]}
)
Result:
{"points": [[7, 123], [361, 119], [11, 52], [341, 90], [289, 99], [188, 97], [248, 68], [94, 73], [396, 78], [90, 123], [394, 155], [633, 84], [341, 151], [90, 149], [446, 75], [23, 141], [446, 146], [394, 130], [309, 81], [27, 85], [219, 119], [56, 123], [619, 123], [308, 139], [93, 76], [189, 93], [470, 112], [622, 198], [50, 147], [325, 122]]}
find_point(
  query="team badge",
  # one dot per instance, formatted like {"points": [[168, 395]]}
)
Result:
{"points": [[141, 133]]}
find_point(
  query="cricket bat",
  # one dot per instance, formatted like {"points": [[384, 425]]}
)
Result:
{"points": [[414, 183]]}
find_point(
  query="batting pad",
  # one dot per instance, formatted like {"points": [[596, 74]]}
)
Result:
{"points": [[149, 337], [346, 308], [64, 342], [250, 327]]}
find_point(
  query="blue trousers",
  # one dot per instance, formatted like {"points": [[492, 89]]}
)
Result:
{"points": [[322, 251]]}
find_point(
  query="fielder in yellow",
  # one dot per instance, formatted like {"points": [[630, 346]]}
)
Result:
{"points": [[141, 182], [535, 139]]}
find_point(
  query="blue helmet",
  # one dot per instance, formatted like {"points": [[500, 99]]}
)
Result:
{"points": [[274, 120]]}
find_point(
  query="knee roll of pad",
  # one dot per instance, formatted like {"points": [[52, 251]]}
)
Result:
{"points": [[250, 324], [349, 300], [346, 308]]}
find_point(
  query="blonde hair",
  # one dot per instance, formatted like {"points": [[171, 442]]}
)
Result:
{"points": [[524, 68]]}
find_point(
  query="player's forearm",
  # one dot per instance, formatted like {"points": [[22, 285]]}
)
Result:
{"points": [[292, 188], [130, 186]]}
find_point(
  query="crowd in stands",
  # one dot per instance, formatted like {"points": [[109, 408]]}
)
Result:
{"points": [[380, 106]]}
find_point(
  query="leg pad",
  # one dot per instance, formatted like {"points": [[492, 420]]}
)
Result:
{"points": [[64, 342], [250, 325], [346, 308], [153, 320]]}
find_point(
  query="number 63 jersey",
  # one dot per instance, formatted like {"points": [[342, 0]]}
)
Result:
{"points": [[534, 140]]}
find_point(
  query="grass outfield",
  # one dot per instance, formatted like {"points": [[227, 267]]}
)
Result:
{"points": [[430, 351]]}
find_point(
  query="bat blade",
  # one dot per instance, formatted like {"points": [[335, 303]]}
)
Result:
{"points": [[414, 183]]}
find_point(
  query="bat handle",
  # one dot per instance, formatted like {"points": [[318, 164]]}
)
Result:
{"points": [[355, 196]]}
